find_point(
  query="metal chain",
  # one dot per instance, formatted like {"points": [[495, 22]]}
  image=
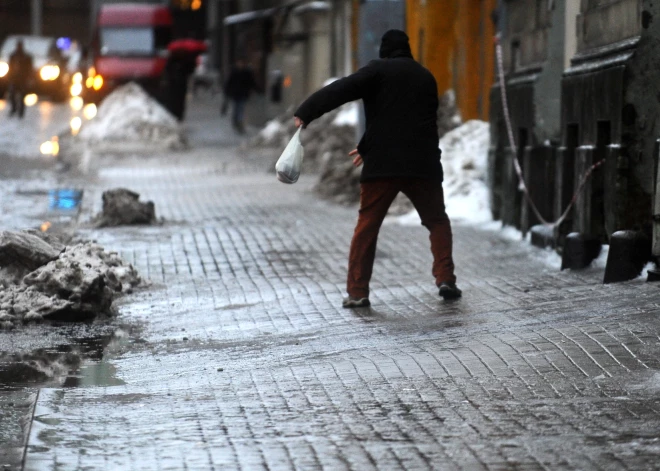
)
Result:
{"points": [[514, 149]]}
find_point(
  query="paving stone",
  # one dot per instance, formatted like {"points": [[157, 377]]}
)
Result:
{"points": [[532, 369]]}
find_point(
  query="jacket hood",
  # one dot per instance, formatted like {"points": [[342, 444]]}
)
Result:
{"points": [[394, 43]]}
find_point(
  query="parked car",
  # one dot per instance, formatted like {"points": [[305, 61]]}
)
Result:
{"points": [[51, 75]]}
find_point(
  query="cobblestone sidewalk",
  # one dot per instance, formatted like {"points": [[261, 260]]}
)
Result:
{"points": [[246, 360]]}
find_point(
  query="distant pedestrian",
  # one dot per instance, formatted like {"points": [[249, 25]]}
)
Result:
{"points": [[180, 66], [19, 78], [238, 87], [400, 154]]}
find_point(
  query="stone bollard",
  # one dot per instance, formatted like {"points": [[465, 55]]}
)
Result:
{"points": [[579, 251], [543, 236], [629, 252], [653, 275]]}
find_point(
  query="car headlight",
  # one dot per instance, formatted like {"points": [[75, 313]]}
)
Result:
{"points": [[4, 68], [98, 82], [49, 72], [76, 89]]}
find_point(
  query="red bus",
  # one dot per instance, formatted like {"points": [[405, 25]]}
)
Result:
{"points": [[130, 44]]}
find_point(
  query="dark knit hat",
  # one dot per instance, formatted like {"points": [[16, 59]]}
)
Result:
{"points": [[394, 42]]}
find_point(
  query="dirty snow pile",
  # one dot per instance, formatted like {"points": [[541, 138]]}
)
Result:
{"points": [[276, 134], [278, 131], [339, 179], [40, 278], [130, 117], [465, 163], [122, 207], [327, 141]]}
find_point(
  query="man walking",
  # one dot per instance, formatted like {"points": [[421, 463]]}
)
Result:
{"points": [[20, 74], [400, 154], [239, 85]]}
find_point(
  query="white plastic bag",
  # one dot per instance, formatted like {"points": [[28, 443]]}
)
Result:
{"points": [[290, 162]]}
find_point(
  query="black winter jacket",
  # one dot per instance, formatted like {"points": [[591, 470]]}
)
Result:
{"points": [[400, 103]]}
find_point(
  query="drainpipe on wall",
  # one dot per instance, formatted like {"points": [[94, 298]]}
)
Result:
{"points": [[212, 15], [36, 9], [334, 15]]}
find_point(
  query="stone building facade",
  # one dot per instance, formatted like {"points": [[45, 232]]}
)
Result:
{"points": [[606, 116], [454, 40], [532, 34], [583, 88]]}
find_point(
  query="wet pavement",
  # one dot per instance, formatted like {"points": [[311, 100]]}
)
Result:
{"points": [[239, 356], [33, 356], [23, 137]]}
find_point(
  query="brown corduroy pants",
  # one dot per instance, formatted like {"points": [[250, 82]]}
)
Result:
{"points": [[376, 196]]}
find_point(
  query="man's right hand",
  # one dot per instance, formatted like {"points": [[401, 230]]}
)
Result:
{"points": [[357, 158]]}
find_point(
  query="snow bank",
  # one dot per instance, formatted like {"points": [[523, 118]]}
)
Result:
{"points": [[129, 116], [271, 130], [465, 162], [277, 132], [348, 116]]}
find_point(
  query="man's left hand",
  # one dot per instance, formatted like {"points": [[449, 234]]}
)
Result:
{"points": [[299, 122], [357, 158]]}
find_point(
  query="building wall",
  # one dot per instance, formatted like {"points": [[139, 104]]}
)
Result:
{"points": [[70, 18], [570, 31], [533, 34], [454, 40], [375, 17], [317, 49], [525, 35], [432, 32], [547, 93], [641, 127], [604, 52], [604, 22], [299, 46]]}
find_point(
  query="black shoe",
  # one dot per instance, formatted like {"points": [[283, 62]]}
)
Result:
{"points": [[449, 291], [351, 302]]}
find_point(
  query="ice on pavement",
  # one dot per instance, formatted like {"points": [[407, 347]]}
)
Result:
{"points": [[130, 116]]}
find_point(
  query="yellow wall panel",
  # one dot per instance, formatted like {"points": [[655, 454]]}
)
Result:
{"points": [[453, 39]]}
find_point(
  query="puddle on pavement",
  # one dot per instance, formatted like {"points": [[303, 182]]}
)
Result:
{"points": [[22, 374], [97, 370], [84, 362], [93, 375]]}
